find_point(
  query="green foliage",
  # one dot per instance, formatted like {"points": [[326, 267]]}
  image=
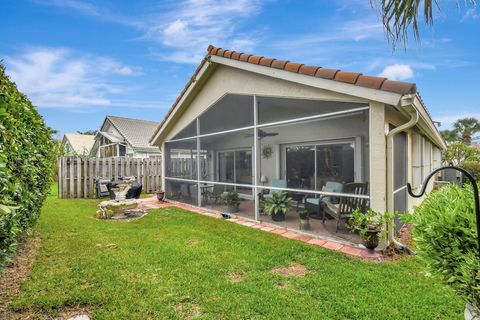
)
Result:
{"points": [[457, 153], [303, 214], [174, 262], [446, 237], [466, 128], [26, 164], [278, 203], [372, 220], [230, 198], [450, 135], [474, 168]]}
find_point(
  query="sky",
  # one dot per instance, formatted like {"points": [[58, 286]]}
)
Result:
{"points": [[80, 60]]}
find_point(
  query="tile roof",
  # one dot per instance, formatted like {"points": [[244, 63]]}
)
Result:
{"points": [[136, 132], [354, 78]]}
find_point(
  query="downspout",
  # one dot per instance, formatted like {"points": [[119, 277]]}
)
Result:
{"points": [[390, 158]]}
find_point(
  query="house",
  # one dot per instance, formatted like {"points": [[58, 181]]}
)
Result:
{"points": [[119, 137], [77, 144], [255, 124]]}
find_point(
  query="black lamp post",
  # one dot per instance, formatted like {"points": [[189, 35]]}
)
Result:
{"points": [[475, 194]]}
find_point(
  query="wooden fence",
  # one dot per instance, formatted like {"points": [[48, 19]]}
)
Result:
{"points": [[77, 175]]}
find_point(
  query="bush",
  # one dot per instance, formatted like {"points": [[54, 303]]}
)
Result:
{"points": [[446, 236], [26, 164], [473, 167]]}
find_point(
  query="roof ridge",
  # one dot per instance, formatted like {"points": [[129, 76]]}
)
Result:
{"points": [[132, 119], [354, 78]]}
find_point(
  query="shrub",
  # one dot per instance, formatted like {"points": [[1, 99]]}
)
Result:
{"points": [[26, 164], [446, 237], [473, 167], [278, 203]]}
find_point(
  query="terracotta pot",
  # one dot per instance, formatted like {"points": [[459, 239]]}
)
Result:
{"points": [[371, 238], [161, 196]]}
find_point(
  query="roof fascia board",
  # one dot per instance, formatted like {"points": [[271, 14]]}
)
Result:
{"points": [[431, 127], [207, 65], [336, 86]]}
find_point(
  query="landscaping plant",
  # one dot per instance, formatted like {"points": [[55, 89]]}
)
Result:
{"points": [[277, 205], [231, 199], [372, 225], [446, 237], [27, 160]]}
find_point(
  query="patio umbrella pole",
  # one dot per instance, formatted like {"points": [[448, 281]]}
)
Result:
{"points": [[475, 194]]}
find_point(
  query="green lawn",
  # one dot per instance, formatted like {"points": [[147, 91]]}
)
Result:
{"points": [[174, 264]]}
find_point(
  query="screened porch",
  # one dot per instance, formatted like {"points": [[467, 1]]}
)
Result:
{"points": [[315, 150]]}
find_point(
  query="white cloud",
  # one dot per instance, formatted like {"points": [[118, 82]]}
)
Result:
{"points": [[192, 25], [397, 72], [61, 78], [471, 14]]}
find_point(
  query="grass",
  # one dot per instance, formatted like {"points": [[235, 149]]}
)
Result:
{"points": [[174, 264]]}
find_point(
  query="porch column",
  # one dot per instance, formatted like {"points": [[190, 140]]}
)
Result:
{"points": [[378, 156]]}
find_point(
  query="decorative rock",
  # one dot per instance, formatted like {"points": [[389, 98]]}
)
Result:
{"points": [[80, 317], [108, 209]]}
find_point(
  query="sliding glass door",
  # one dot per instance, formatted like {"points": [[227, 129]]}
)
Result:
{"points": [[235, 166], [311, 166]]}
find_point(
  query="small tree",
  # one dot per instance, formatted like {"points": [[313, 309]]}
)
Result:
{"points": [[450, 135], [457, 153]]}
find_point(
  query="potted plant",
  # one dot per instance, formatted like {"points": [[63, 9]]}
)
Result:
{"points": [[232, 200], [304, 220], [277, 205], [369, 224]]}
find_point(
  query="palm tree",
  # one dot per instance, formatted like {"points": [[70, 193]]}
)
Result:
{"points": [[450, 135], [466, 128], [399, 15]]}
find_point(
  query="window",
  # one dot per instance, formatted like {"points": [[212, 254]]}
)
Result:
{"points": [[180, 159]]}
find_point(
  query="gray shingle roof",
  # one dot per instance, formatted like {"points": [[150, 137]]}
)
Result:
{"points": [[81, 143], [136, 132]]}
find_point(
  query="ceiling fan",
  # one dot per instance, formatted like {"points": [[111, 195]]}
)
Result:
{"points": [[262, 134]]}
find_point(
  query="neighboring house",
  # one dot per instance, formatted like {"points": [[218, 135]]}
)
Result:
{"points": [[75, 144], [257, 123], [119, 137]]}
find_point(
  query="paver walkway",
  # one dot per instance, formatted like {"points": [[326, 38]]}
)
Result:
{"points": [[348, 249]]}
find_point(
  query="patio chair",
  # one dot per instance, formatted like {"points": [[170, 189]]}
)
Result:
{"points": [[343, 210], [216, 192], [276, 183], [315, 205]]}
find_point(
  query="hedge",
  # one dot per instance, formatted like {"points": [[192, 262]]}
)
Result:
{"points": [[446, 237], [27, 160]]}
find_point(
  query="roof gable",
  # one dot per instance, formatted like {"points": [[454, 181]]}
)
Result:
{"points": [[135, 131]]}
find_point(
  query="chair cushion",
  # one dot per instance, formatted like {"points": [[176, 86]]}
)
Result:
{"points": [[315, 201]]}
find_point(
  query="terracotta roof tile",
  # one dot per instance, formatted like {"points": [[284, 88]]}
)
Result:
{"points": [[279, 64], [370, 82], [267, 62], [399, 87], [348, 77], [244, 57], [326, 73], [308, 70], [254, 59], [353, 78], [236, 55], [292, 66]]}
